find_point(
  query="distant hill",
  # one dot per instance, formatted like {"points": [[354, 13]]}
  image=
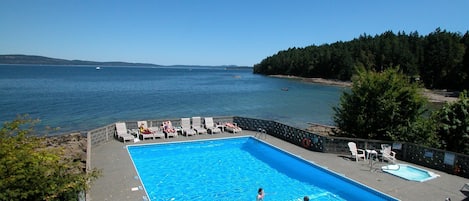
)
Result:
{"points": [[40, 60], [30, 59]]}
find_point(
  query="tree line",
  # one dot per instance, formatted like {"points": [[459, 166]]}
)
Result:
{"points": [[440, 60]]}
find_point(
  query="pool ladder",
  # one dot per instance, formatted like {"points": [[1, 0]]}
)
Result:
{"points": [[261, 133]]}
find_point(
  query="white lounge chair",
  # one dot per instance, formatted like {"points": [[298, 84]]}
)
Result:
{"points": [[465, 189], [122, 133], [154, 133], [232, 127], [186, 127], [210, 126], [388, 154], [356, 153], [197, 125], [169, 130]]}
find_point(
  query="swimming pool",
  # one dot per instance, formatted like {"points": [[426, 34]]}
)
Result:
{"points": [[233, 169], [409, 172]]}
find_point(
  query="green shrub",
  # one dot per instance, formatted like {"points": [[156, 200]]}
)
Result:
{"points": [[381, 105], [32, 170], [453, 125]]}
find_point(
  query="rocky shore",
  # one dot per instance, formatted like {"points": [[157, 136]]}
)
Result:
{"points": [[316, 80], [432, 95], [74, 146], [321, 129]]}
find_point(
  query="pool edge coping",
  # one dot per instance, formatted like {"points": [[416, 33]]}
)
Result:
{"points": [[324, 168]]}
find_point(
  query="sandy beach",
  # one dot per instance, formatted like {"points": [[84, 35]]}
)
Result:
{"points": [[432, 96]]}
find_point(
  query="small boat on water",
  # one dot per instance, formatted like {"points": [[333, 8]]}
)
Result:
{"points": [[285, 89], [98, 68]]}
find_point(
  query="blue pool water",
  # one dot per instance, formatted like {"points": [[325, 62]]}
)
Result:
{"points": [[233, 169], [409, 172]]}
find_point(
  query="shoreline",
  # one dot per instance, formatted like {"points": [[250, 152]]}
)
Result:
{"points": [[432, 95], [315, 80]]}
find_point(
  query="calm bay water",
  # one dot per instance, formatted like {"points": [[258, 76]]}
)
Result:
{"points": [[82, 98]]}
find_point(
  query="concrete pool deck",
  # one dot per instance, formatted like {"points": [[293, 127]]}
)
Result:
{"points": [[119, 180]]}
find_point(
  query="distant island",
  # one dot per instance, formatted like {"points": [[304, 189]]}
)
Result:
{"points": [[40, 60], [18, 59]]}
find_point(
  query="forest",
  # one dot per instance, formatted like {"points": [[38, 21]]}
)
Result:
{"points": [[439, 60]]}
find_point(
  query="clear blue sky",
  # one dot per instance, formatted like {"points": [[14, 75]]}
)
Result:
{"points": [[208, 32]]}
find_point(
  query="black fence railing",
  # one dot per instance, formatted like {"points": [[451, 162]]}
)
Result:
{"points": [[446, 161], [450, 162]]}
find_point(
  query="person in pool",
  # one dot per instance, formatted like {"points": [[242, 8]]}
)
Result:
{"points": [[260, 194], [306, 198]]}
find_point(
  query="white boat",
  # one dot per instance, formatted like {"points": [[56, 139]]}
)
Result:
{"points": [[98, 68]]}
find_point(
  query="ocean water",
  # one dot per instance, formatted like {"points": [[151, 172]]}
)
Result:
{"points": [[78, 98]]}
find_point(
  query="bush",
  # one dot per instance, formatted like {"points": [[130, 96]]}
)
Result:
{"points": [[31, 170], [381, 105], [453, 125]]}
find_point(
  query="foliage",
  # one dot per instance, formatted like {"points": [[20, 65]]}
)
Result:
{"points": [[422, 131], [443, 60], [465, 65], [440, 59], [383, 106], [453, 127], [30, 170]]}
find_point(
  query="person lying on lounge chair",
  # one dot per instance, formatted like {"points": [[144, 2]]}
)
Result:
{"points": [[144, 130], [168, 127], [231, 125]]}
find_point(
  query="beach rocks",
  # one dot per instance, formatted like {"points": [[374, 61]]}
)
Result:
{"points": [[321, 129], [74, 146]]}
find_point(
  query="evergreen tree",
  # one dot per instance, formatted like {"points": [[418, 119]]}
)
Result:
{"points": [[440, 59], [464, 72], [443, 56]]}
